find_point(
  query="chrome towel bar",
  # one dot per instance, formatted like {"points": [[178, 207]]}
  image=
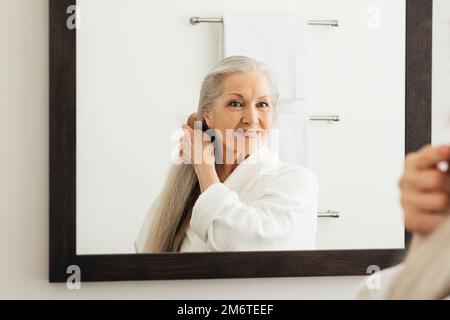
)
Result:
{"points": [[329, 214], [330, 23]]}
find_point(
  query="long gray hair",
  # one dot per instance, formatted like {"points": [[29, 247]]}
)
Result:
{"points": [[172, 214]]}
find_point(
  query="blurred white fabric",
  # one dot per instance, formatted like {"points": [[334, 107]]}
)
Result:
{"points": [[278, 40], [292, 137]]}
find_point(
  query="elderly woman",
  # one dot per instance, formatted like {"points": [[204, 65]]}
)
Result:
{"points": [[234, 194]]}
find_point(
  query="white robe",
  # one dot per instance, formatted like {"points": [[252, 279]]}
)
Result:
{"points": [[265, 204]]}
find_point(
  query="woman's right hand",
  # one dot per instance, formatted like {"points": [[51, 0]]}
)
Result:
{"points": [[425, 190], [192, 118], [201, 158], [204, 159]]}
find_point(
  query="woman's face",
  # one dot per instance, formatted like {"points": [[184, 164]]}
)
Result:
{"points": [[243, 113]]}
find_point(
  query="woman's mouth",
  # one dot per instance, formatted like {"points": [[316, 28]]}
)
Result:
{"points": [[249, 133]]}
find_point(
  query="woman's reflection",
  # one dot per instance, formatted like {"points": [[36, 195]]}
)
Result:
{"points": [[235, 194]]}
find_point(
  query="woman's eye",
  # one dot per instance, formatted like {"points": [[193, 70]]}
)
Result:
{"points": [[263, 105], [234, 104]]}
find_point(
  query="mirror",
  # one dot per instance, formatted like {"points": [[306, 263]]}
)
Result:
{"points": [[338, 128]]}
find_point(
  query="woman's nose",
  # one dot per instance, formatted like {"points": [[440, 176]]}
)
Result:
{"points": [[250, 116]]}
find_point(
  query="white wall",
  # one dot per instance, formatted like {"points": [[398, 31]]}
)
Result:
{"points": [[24, 178]]}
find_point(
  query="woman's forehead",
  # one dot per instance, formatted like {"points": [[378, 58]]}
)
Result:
{"points": [[247, 83]]}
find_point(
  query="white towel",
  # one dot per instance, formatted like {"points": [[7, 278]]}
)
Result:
{"points": [[278, 40], [292, 138]]}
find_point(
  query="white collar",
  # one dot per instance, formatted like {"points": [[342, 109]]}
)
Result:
{"points": [[264, 161]]}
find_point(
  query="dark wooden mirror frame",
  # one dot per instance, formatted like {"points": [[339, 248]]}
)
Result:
{"points": [[114, 267]]}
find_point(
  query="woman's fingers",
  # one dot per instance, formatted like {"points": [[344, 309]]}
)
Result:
{"points": [[208, 156], [427, 157], [425, 180], [191, 119], [186, 155], [187, 152], [425, 189], [427, 201], [423, 222], [184, 145]]}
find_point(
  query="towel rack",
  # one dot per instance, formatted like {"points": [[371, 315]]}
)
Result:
{"points": [[332, 118], [329, 214], [330, 23]]}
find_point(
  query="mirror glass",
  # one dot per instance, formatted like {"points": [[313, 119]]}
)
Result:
{"points": [[311, 91]]}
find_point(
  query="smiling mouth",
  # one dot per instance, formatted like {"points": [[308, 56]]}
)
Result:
{"points": [[249, 133]]}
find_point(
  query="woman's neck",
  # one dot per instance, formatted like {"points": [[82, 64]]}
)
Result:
{"points": [[224, 170]]}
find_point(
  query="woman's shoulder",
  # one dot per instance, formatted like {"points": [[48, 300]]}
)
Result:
{"points": [[293, 176], [284, 169], [302, 180], [297, 172]]}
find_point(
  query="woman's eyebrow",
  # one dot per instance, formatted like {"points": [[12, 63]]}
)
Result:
{"points": [[240, 95], [236, 94]]}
